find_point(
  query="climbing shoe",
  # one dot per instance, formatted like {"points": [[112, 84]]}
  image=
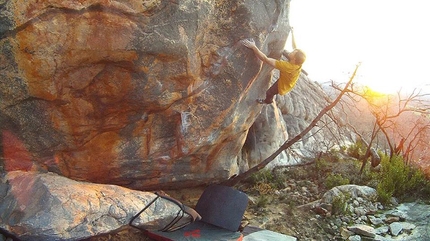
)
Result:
{"points": [[261, 101]]}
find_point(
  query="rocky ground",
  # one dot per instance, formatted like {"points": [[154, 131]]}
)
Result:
{"points": [[287, 210], [274, 213], [290, 201], [269, 208]]}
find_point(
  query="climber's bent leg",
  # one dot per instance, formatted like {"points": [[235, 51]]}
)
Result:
{"points": [[271, 92]]}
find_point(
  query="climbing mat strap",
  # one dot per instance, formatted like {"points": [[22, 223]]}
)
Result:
{"points": [[165, 214]]}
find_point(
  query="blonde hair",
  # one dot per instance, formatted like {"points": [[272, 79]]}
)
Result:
{"points": [[299, 56]]}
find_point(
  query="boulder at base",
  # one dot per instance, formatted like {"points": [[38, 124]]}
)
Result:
{"points": [[46, 206]]}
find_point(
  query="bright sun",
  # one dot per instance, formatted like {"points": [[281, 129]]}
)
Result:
{"points": [[386, 36], [378, 79]]}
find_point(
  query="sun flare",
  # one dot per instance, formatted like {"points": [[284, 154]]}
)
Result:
{"points": [[393, 50]]}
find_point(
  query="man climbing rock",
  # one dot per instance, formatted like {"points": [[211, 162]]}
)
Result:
{"points": [[289, 70]]}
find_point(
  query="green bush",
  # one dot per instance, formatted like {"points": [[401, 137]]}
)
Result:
{"points": [[334, 180], [385, 192], [323, 164], [333, 155], [400, 180], [369, 176], [262, 201], [266, 176], [356, 150], [263, 176], [340, 204]]}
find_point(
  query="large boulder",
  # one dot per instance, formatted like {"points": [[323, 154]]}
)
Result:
{"points": [[144, 94], [46, 206], [349, 191]]}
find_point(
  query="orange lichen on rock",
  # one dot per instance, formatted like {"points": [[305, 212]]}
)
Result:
{"points": [[96, 162]]}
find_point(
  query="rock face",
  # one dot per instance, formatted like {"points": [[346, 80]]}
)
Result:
{"points": [[46, 206], [148, 94]]}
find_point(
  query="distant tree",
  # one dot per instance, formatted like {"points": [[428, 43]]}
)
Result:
{"points": [[402, 120], [414, 135]]}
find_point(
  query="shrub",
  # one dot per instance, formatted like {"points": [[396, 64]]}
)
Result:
{"points": [[400, 180], [262, 201], [369, 176], [356, 150], [266, 176], [334, 180], [333, 155], [385, 192], [322, 167], [299, 173], [340, 204]]}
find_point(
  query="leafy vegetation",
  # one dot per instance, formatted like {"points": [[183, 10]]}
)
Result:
{"points": [[340, 204], [394, 178], [265, 182], [397, 179], [356, 150], [334, 180], [262, 201], [266, 176]]}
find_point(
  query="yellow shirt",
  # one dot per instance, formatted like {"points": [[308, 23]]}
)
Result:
{"points": [[288, 76]]}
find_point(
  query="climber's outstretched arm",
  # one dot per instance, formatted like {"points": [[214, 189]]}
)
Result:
{"points": [[251, 44], [293, 40]]}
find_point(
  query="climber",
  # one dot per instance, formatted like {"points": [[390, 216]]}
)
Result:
{"points": [[289, 70]]}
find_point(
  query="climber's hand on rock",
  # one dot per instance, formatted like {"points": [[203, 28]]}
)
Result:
{"points": [[249, 43]]}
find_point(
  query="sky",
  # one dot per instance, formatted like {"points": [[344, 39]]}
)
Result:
{"points": [[390, 38]]}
